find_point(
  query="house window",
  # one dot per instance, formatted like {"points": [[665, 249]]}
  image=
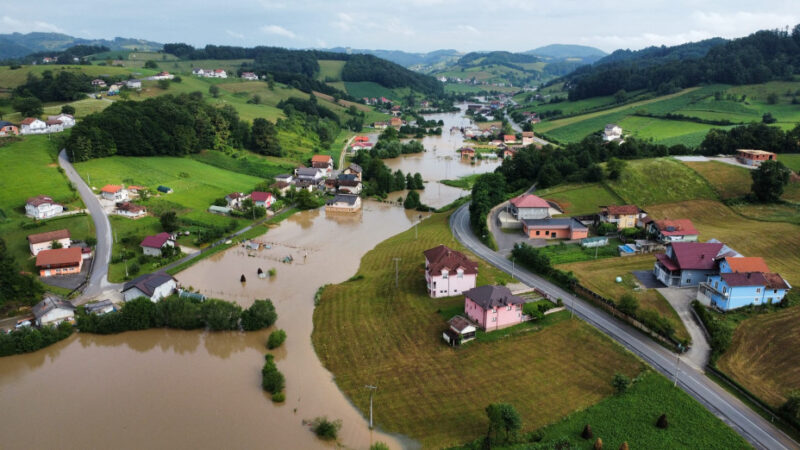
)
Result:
{"points": [[547, 233], [774, 291], [537, 232], [758, 290], [494, 319], [508, 308], [716, 285], [434, 285], [444, 274], [724, 290], [460, 274]]}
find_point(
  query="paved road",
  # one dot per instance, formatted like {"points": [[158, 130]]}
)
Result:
{"points": [[515, 126], [746, 422], [98, 282]]}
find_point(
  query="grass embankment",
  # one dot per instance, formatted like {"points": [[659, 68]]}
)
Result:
{"points": [[790, 160], [580, 199], [631, 418], [600, 277], [368, 332], [662, 180], [465, 182]]}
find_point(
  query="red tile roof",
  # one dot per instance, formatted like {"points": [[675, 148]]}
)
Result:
{"points": [[678, 227], [443, 257], [695, 255], [747, 264], [744, 279], [624, 210], [28, 120], [59, 257], [361, 139], [775, 281], [49, 236], [111, 188], [321, 158], [258, 196], [509, 138], [156, 241], [529, 201]]}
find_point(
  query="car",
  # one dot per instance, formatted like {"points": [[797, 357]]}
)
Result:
{"points": [[23, 324]]}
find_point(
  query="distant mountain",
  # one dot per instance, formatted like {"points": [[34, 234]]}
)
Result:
{"points": [[418, 61], [566, 51], [17, 45]]}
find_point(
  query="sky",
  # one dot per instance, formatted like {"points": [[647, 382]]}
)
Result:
{"points": [[409, 25]]}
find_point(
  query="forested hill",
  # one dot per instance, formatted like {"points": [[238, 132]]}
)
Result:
{"points": [[499, 57], [301, 66], [763, 56], [18, 45]]}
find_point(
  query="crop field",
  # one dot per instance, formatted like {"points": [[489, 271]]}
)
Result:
{"points": [[674, 182], [330, 70], [600, 276], [580, 199], [728, 181], [790, 160], [760, 358], [368, 332], [631, 418], [12, 78], [361, 89], [777, 242], [660, 129]]}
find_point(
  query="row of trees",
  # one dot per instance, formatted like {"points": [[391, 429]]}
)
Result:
{"points": [[379, 179], [62, 86], [753, 135], [16, 288], [390, 146]]}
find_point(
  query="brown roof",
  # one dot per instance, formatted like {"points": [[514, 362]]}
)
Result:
{"points": [[130, 207], [59, 257], [695, 255], [624, 210], [747, 264], [49, 236], [744, 279], [280, 184], [774, 281], [529, 201], [443, 257], [28, 121], [40, 200], [53, 122], [678, 227]]}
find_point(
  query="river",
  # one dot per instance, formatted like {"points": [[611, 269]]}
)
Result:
{"points": [[168, 388]]}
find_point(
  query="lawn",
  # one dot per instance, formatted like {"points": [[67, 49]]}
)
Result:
{"points": [[464, 182], [330, 70], [562, 253], [661, 180], [368, 332], [580, 199], [12, 78], [761, 356], [361, 89], [790, 160], [631, 418], [691, 133], [778, 243], [600, 276]]}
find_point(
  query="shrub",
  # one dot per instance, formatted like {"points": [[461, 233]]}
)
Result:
{"points": [[261, 314], [628, 304], [134, 269], [272, 272], [620, 383], [279, 397], [221, 315], [326, 429], [276, 338], [662, 422], [587, 432], [379, 446]]}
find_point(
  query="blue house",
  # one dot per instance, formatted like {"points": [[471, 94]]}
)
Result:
{"points": [[687, 263], [733, 290]]}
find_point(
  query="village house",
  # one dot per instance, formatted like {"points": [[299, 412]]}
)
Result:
{"points": [[322, 162], [687, 263], [59, 261], [509, 153], [97, 82], [564, 228], [380, 125], [284, 177], [133, 83], [348, 183], [624, 216], [396, 122], [32, 125], [467, 153], [754, 157], [44, 241], [509, 139], [679, 230], [114, 89], [281, 186], [224, 210], [356, 146], [331, 185], [54, 126], [67, 120], [448, 272], [249, 76], [305, 184], [162, 76], [152, 245], [164, 189], [262, 199], [343, 203], [42, 207], [114, 193], [53, 311], [493, 307], [8, 129], [100, 308], [361, 139], [529, 207], [136, 190], [153, 286], [612, 132], [308, 174], [235, 199], [527, 138], [353, 169], [743, 264], [729, 291], [131, 210], [461, 331]]}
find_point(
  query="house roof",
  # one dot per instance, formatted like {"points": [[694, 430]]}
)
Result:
{"points": [[234, 195], [744, 279], [343, 198], [111, 188], [136, 188], [361, 139], [443, 257], [321, 158], [40, 200], [459, 323], [667, 262], [49, 236], [528, 134], [490, 297], [695, 255], [53, 122], [614, 210], [258, 196], [320, 164], [59, 256], [355, 168], [529, 201], [130, 207], [554, 224], [49, 304], [754, 152], [307, 171], [4, 123], [347, 177], [156, 241], [775, 281], [96, 306], [148, 283], [280, 184], [28, 120], [678, 227], [509, 137], [748, 264]]}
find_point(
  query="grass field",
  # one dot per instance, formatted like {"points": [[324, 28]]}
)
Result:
{"points": [[569, 253], [778, 243], [688, 133], [631, 418], [728, 181], [464, 182], [330, 70], [790, 160], [579, 199], [361, 89], [12, 78], [760, 358], [366, 332], [661, 180], [600, 275]]}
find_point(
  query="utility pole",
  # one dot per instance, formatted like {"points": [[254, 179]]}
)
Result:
{"points": [[512, 268], [677, 363], [126, 267], [371, 393], [396, 273]]}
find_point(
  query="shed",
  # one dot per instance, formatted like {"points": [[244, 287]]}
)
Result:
{"points": [[219, 209], [592, 242], [164, 189]]}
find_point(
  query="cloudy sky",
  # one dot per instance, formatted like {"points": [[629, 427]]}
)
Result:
{"points": [[410, 25]]}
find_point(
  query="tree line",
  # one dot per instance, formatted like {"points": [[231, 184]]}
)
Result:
{"points": [[379, 180], [753, 136], [16, 287]]}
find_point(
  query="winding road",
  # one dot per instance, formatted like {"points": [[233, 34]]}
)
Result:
{"points": [[757, 430]]}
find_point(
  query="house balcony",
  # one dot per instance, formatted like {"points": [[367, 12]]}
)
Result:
{"points": [[706, 293]]}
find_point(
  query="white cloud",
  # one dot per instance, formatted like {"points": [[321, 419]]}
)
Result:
{"points": [[468, 28], [234, 34], [11, 25], [278, 30], [345, 21], [635, 42], [739, 23]]}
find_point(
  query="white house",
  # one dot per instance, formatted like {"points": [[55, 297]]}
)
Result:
{"points": [[162, 76], [42, 207], [67, 120], [31, 125], [152, 245], [98, 82], [198, 72], [309, 174], [217, 73], [133, 84], [131, 210], [114, 192], [284, 177], [612, 132], [53, 311], [54, 126], [250, 76], [44, 241], [262, 199], [235, 199], [154, 286], [113, 89]]}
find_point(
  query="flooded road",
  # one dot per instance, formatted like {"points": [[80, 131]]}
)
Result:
{"points": [[168, 389]]}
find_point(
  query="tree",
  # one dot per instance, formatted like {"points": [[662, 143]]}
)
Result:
{"points": [[621, 383], [662, 421], [326, 429], [169, 221], [768, 118], [418, 183], [791, 408], [769, 181], [503, 417], [56, 244], [587, 432], [220, 315], [213, 90], [410, 181], [264, 138], [28, 106], [399, 182], [628, 304], [412, 200], [261, 314], [163, 84], [275, 339], [615, 167], [150, 64], [68, 109], [15, 286], [772, 98], [620, 96]]}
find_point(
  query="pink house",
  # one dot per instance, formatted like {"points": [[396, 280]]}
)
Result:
{"points": [[448, 272], [493, 307]]}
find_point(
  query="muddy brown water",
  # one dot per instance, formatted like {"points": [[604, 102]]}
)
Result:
{"points": [[190, 389]]}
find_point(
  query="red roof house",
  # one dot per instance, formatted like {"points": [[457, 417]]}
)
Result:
{"points": [[448, 272], [673, 230]]}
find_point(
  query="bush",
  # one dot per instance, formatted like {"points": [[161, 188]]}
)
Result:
{"points": [[628, 304], [276, 338], [598, 444], [587, 432], [623, 446], [326, 429], [220, 315], [791, 408], [379, 446], [621, 383], [279, 397], [28, 339], [662, 421], [261, 314]]}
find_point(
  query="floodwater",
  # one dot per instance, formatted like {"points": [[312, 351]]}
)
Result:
{"points": [[168, 389]]}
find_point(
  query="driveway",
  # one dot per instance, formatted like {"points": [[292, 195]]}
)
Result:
{"points": [[681, 299]]}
